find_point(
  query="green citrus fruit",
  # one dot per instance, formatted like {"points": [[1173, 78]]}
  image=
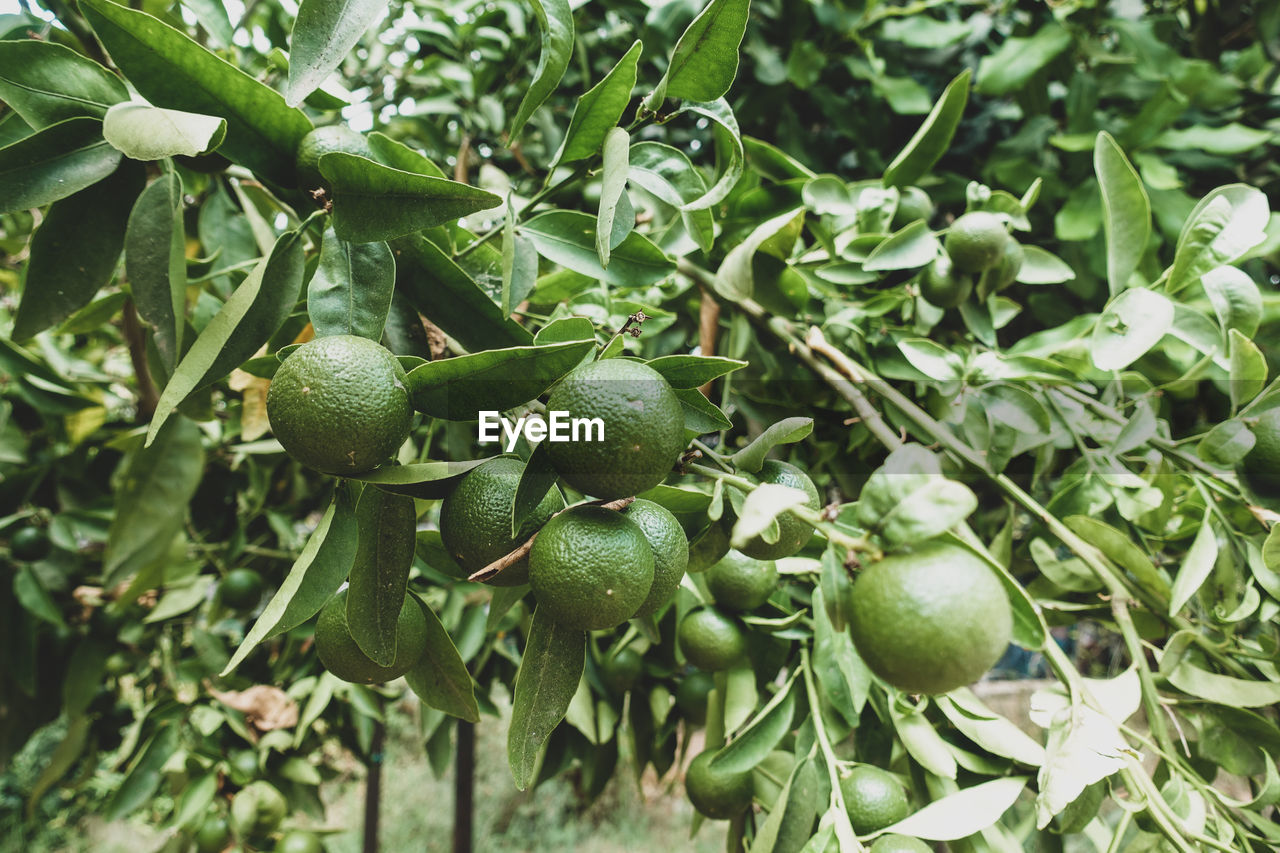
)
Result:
{"points": [[297, 841], [976, 241], [931, 620], [943, 285], [717, 794], [29, 544], [242, 766], [241, 588], [793, 533], [691, 696], [339, 404], [322, 141], [739, 582], [257, 810], [1260, 468], [214, 835], [670, 551], [342, 656], [710, 640], [642, 422], [1080, 811], [475, 519], [118, 664], [706, 549], [899, 844], [1005, 270], [622, 670], [590, 568], [914, 204], [874, 798]]}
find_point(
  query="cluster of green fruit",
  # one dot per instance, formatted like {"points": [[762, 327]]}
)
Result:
{"points": [[979, 250], [257, 811]]}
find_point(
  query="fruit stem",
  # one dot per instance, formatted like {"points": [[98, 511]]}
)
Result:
{"points": [[824, 742], [719, 459], [511, 558]]}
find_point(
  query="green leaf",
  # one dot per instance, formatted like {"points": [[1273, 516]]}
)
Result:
{"points": [[46, 82], [922, 741], [1126, 211], [735, 279], [1226, 444], [1120, 550], [762, 505], [1228, 140], [566, 329], [759, 738], [151, 503], [428, 481], [721, 113], [315, 576], [1041, 267], [519, 264], [155, 262], [324, 32], [1248, 368], [460, 388], [143, 132], [933, 138], [599, 109], [397, 155], [787, 431], [64, 757], [1235, 298], [963, 813], [144, 774], [85, 671], [53, 163], [172, 71], [386, 538], [373, 202], [692, 371], [705, 60], [1196, 565], [907, 499], [212, 15], [448, 296], [246, 321], [555, 28], [350, 293], [1017, 59], [988, 729], [908, 248], [701, 416], [667, 173], [1218, 689], [1132, 324], [568, 238], [552, 665], [440, 678], [537, 478], [1221, 229], [75, 250]]}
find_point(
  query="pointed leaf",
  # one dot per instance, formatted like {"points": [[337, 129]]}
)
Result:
{"points": [[933, 138], [1248, 368], [324, 32], [440, 678], [555, 28], [667, 173], [53, 163], [691, 371], [600, 108], [1235, 298], [537, 478], [735, 279], [1196, 565], [568, 238], [155, 262], [552, 665], [705, 60], [428, 481], [1042, 267], [759, 738], [721, 113], [46, 82], [1126, 211], [143, 132], [380, 574], [350, 293], [617, 144], [909, 248], [1132, 324], [963, 813]]}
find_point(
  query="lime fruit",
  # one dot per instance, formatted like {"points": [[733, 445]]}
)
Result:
{"points": [[874, 798], [706, 549], [641, 421], [931, 620], [710, 640], [670, 551], [214, 835], [1005, 271], [341, 655], [590, 568], [1260, 468], [321, 141], [691, 696], [899, 844], [943, 285], [339, 404], [475, 519], [793, 533], [715, 793], [29, 544], [242, 766], [739, 582], [621, 671], [975, 241], [257, 810], [914, 204], [241, 588], [297, 841]]}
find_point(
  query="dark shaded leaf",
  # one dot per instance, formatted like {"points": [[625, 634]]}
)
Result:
{"points": [[440, 678], [555, 27], [53, 163], [350, 293], [324, 32], [155, 262], [380, 575], [46, 82], [553, 662]]}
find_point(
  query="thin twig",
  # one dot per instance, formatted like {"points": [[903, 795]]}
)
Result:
{"points": [[708, 329], [148, 396], [497, 566]]}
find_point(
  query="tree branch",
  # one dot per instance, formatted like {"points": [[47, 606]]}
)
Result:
{"points": [[497, 566]]}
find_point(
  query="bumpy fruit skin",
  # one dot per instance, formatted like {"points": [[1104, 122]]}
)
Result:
{"points": [[943, 285], [873, 798], [931, 620], [710, 640], [590, 568], [475, 519], [29, 544], [622, 670], [741, 583], [708, 547], [321, 141], [670, 551], [340, 404], [793, 533], [975, 241], [691, 697], [893, 843], [717, 794], [257, 810], [643, 428], [341, 655], [241, 588]]}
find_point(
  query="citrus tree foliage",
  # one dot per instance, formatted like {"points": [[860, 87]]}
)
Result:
{"points": [[756, 201]]}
